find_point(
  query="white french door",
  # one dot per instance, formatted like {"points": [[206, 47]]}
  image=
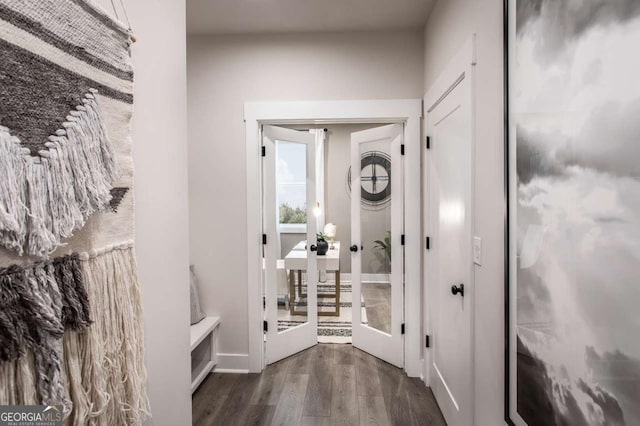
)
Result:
{"points": [[376, 241], [289, 182]]}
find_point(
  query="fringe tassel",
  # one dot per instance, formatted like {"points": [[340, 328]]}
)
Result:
{"points": [[33, 315], [96, 371], [44, 199], [114, 343]]}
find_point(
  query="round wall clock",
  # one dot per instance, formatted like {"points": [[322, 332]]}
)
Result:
{"points": [[375, 178]]}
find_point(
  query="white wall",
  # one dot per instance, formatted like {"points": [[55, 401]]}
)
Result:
{"points": [[159, 133], [226, 71], [450, 24]]}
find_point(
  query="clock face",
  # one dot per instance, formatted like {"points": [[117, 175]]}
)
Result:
{"points": [[375, 178]]}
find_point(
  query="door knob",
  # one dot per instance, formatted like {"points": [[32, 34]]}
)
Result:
{"points": [[313, 247], [457, 290], [353, 248]]}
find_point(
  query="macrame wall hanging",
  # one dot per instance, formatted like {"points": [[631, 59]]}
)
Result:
{"points": [[70, 313]]}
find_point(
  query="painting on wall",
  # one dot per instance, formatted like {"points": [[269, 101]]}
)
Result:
{"points": [[573, 292]]}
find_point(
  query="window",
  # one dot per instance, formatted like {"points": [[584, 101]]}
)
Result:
{"points": [[291, 186]]}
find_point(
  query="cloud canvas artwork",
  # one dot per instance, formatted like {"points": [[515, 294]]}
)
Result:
{"points": [[575, 212]]}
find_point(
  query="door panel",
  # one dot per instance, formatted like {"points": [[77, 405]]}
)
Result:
{"points": [[376, 237], [449, 181], [289, 195]]}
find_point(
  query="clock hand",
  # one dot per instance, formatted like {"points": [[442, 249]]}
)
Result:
{"points": [[373, 174]]}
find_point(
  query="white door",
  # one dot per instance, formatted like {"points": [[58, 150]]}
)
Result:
{"points": [[289, 195], [376, 241], [449, 269]]}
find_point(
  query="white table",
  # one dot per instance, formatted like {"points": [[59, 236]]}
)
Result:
{"points": [[296, 260]]}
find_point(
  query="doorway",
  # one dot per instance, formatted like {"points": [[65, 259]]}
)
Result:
{"points": [[405, 112], [333, 204]]}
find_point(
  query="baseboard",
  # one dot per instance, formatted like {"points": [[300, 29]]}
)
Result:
{"points": [[232, 363]]}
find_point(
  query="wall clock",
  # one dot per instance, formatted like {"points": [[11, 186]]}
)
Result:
{"points": [[375, 179]]}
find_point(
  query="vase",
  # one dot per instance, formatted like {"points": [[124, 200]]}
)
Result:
{"points": [[323, 246]]}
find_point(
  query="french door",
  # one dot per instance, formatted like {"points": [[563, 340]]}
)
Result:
{"points": [[377, 253], [289, 182]]}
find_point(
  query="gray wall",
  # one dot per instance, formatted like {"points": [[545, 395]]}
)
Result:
{"points": [[159, 130], [288, 241], [450, 24]]}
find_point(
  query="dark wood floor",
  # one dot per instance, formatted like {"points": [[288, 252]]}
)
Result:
{"points": [[324, 385]]}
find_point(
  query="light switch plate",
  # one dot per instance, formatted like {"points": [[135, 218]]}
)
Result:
{"points": [[477, 251]]}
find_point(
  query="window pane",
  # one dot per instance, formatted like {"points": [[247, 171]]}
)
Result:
{"points": [[291, 176], [291, 193]]}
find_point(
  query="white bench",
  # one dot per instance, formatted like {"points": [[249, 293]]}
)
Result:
{"points": [[204, 337]]}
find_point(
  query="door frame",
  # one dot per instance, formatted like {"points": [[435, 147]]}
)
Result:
{"points": [[461, 65], [405, 111]]}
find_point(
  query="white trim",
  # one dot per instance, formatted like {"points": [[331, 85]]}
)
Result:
{"points": [[407, 111], [292, 228], [232, 363]]}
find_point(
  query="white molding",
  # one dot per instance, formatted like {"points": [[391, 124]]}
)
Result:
{"points": [[232, 363], [407, 111], [292, 228]]}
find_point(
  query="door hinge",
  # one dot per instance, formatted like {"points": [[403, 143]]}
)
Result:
{"points": [[428, 243], [264, 238], [402, 329], [265, 326], [402, 239], [402, 149], [428, 142], [264, 151], [427, 343]]}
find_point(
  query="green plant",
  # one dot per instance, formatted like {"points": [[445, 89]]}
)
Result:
{"points": [[384, 245], [290, 214], [321, 236]]}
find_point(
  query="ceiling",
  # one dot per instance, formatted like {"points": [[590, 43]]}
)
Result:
{"points": [[281, 16]]}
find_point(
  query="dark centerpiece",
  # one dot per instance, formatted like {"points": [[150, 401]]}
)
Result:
{"points": [[322, 243]]}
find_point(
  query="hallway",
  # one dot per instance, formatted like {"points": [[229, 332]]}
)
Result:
{"points": [[324, 385]]}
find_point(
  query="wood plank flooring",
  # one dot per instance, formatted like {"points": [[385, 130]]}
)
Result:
{"points": [[324, 385]]}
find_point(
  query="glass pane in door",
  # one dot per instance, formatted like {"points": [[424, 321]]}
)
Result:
{"points": [[291, 215], [375, 223]]}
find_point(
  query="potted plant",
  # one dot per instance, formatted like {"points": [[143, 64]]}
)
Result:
{"points": [[385, 245], [322, 243]]}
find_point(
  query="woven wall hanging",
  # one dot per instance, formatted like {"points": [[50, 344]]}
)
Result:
{"points": [[70, 313]]}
